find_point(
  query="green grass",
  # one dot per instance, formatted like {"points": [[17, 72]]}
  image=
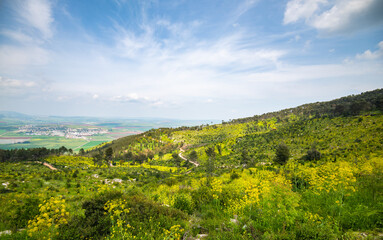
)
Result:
{"points": [[46, 141], [90, 145]]}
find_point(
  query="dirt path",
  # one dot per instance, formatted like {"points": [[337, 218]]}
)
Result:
{"points": [[184, 158], [47, 165]]}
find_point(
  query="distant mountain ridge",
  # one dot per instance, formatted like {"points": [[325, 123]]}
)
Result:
{"points": [[15, 115]]}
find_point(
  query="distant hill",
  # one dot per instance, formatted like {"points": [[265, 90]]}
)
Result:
{"points": [[15, 115]]}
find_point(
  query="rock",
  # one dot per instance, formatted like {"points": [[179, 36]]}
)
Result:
{"points": [[235, 221], [117, 180], [202, 235], [6, 232]]}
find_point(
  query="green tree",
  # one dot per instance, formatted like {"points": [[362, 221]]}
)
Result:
{"points": [[108, 155], [210, 162], [97, 159], [161, 154], [244, 157], [193, 155], [82, 152], [282, 154], [176, 159], [313, 154]]}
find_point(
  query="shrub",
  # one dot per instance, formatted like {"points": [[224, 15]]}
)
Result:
{"points": [[183, 202], [313, 155], [25, 212], [282, 154]]}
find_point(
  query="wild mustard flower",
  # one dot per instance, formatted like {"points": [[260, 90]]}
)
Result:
{"points": [[52, 214]]}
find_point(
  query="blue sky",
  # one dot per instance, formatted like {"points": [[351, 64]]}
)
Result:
{"points": [[185, 59]]}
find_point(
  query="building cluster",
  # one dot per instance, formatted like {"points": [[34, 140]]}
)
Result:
{"points": [[61, 131]]}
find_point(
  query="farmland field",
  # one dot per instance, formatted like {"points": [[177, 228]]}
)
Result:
{"points": [[54, 132]]}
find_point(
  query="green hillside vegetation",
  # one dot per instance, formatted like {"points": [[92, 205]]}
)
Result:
{"points": [[311, 172]]}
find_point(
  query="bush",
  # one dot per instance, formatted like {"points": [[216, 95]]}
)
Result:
{"points": [[95, 224], [282, 154], [148, 219], [313, 155], [24, 213], [183, 203]]}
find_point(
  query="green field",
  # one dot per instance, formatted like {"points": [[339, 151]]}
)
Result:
{"points": [[89, 145], [46, 141]]}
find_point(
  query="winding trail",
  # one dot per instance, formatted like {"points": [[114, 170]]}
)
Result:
{"points": [[184, 158], [47, 165]]}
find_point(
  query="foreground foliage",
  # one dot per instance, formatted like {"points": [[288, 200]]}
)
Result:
{"points": [[296, 177]]}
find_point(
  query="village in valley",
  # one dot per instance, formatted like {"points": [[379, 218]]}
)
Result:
{"points": [[61, 131]]}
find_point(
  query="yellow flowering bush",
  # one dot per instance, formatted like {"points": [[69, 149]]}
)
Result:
{"points": [[52, 214], [174, 233], [216, 186], [328, 177], [117, 210]]}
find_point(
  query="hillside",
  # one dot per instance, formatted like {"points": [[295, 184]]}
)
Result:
{"points": [[311, 172], [335, 128]]}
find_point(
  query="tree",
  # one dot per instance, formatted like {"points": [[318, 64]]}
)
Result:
{"points": [[244, 157], [282, 154], [177, 159], [141, 158], [313, 154], [193, 155], [108, 155], [82, 152], [161, 154], [210, 163], [128, 156], [97, 159], [150, 155]]}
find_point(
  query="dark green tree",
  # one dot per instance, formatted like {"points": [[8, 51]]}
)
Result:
{"points": [[313, 154], [210, 162], [282, 154], [245, 157], [128, 156], [176, 159], [108, 156], [193, 155], [82, 152]]}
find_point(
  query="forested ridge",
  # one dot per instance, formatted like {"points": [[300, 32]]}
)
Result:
{"points": [[310, 172]]}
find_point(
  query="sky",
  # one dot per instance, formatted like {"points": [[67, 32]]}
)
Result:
{"points": [[185, 59]]}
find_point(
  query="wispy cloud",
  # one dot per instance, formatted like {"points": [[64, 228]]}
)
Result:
{"points": [[176, 59], [334, 17], [36, 14]]}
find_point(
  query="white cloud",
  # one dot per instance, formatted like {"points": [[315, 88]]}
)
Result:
{"points": [[18, 36], [13, 83], [244, 7], [335, 16], [298, 9], [15, 87], [134, 98], [294, 73], [368, 55], [12, 57], [37, 14]]}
